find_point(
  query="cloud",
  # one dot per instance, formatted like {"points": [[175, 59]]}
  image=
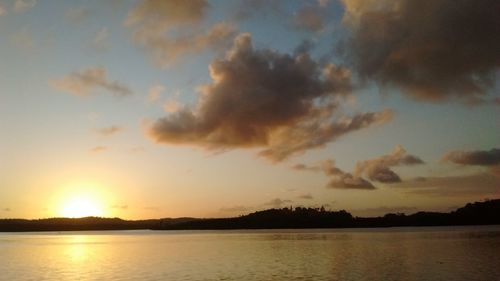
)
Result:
{"points": [[433, 50], [170, 29], [378, 169], [342, 180], [154, 93], [86, 82], [262, 98], [98, 149], [277, 202], [24, 5], [475, 158], [317, 131], [235, 209], [310, 18], [108, 131], [303, 167], [165, 14], [137, 149], [307, 196], [172, 106], [6, 209], [482, 185]]}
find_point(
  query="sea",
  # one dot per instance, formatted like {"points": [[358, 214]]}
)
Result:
{"points": [[402, 253]]}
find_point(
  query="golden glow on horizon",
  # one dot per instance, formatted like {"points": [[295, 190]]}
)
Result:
{"points": [[81, 200], [81, 207]]}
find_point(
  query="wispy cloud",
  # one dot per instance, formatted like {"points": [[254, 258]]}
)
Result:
{"points": [[304, 167], [98, 149], [3, 10], [475, 157], [307, 196], [88, 81], [277, 202], [481, 185], [108, 131], [171, 29], [235, 209], [24, 5], [310, 18], [154, 93]]}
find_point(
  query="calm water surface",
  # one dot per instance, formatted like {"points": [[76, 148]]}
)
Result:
{"points": [[439, 253]]}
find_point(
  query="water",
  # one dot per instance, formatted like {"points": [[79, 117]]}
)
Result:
{"points": [[438, 253]]}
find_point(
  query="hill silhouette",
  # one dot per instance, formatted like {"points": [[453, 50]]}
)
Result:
{"points": [[478, 213]]}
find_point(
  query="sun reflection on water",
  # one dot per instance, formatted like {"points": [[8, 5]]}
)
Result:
{"points": [[78, 248]]}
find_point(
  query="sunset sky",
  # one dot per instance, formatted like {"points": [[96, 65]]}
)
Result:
{"points": [[149, 109]]}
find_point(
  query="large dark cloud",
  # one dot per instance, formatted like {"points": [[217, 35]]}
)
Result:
{"points": [[431, 49], [285, 103], [476, 157]]}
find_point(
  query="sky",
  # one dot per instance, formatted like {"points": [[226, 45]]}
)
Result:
{"points": [[150, 109]]}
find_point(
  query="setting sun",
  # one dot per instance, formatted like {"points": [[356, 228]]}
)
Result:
{"points": [[81, 207]]}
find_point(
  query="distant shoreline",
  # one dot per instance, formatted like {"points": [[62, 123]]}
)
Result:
{"points": [[478, 213]]}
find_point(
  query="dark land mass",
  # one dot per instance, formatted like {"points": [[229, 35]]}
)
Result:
{"points": [[479, 213]]}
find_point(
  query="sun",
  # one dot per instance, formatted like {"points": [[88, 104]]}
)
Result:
{"points": [[81, 206]]}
